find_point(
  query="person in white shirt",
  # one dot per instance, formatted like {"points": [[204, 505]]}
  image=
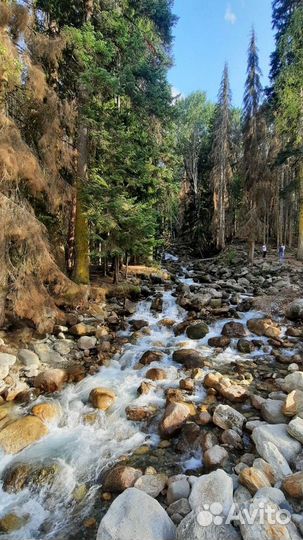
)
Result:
{"points": [[264, 251]]}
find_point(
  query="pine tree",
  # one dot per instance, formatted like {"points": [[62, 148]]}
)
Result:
{"points": [[289, 91], [221, 155], [282, 11], [252, 157]]}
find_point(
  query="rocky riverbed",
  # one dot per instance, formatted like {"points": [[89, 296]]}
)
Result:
{"points": [[152, 420]]}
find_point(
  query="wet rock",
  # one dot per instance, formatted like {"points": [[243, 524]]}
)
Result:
{"points": [[245, 346], [295, 429], [215, 487], [193, 527], [293, 485], [28, 358], [215, 457], [47, 412], [219, 342], [157, 304], [190, 358], [145, 387], [233, 392], [278, 435], [197, 330], [22, 433], [294, 311], [272, 411], [253, 479], [264, 327], [228, 418], [129, 307], [86, 343], [12, 522], [203, 418], [140, 414], [179, 489], [187, 384], [102, 398], [15, 478], [175, 416], [138, 324], [51, 380], [152, 484], [234, 329], [232, 438], [120, 478], [150, 356], [135, 515], [268, 528], [257, 401], [293, 381], [156, 374]]}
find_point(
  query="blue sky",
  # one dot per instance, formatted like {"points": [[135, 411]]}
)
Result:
{"points": [[210, 32]]}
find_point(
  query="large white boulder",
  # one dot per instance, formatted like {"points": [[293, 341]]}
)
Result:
{"points": [[277, 434], [216, 487], [134, 515]]}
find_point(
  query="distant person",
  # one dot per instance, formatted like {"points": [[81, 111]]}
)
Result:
{"points": [[264, 251], [282, 253]]}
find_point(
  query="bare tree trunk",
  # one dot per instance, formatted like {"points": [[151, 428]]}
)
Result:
{"points": [[300, 237], [81, 268], [251, 248]]}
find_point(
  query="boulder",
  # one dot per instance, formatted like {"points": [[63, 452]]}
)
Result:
{"points": [[156, 374], [269, 527], [150, 356], [152, 484], [234, 329], [6, 361], [253, 479], [278, 435], [293, 381], [87, 342], [22, 433], [197, 330], [81, 329], [138, 324], [190, 358], [102, 398], [13, 522], [120, 478], [216, 456], [140, 413], [232, 439], [28, 358], [227, 417], [47, 412], [295, 429], [47, 355], [272, 411], [215, 487], [272, 455], [179, 489], [135, 515], [174, 417], [293, 485], [245, 346], [51, 380], [294, 310], [264, 327], [219, 342], [201, 527]]}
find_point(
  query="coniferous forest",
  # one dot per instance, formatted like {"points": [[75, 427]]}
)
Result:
{"points": [[131, 226]]}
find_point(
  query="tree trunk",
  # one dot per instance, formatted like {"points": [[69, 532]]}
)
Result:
{"points": [[116, 270], [81, 268], [70, 248], [300, 237], [251, 252]]}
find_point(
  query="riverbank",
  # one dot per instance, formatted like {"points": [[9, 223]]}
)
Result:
{"points": [[193, 378]]}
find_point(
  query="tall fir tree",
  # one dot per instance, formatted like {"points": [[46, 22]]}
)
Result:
{"points": [[221, 155], [251, 142]]}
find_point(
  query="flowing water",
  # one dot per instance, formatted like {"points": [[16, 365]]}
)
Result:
{"points": [[82, 451]]}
